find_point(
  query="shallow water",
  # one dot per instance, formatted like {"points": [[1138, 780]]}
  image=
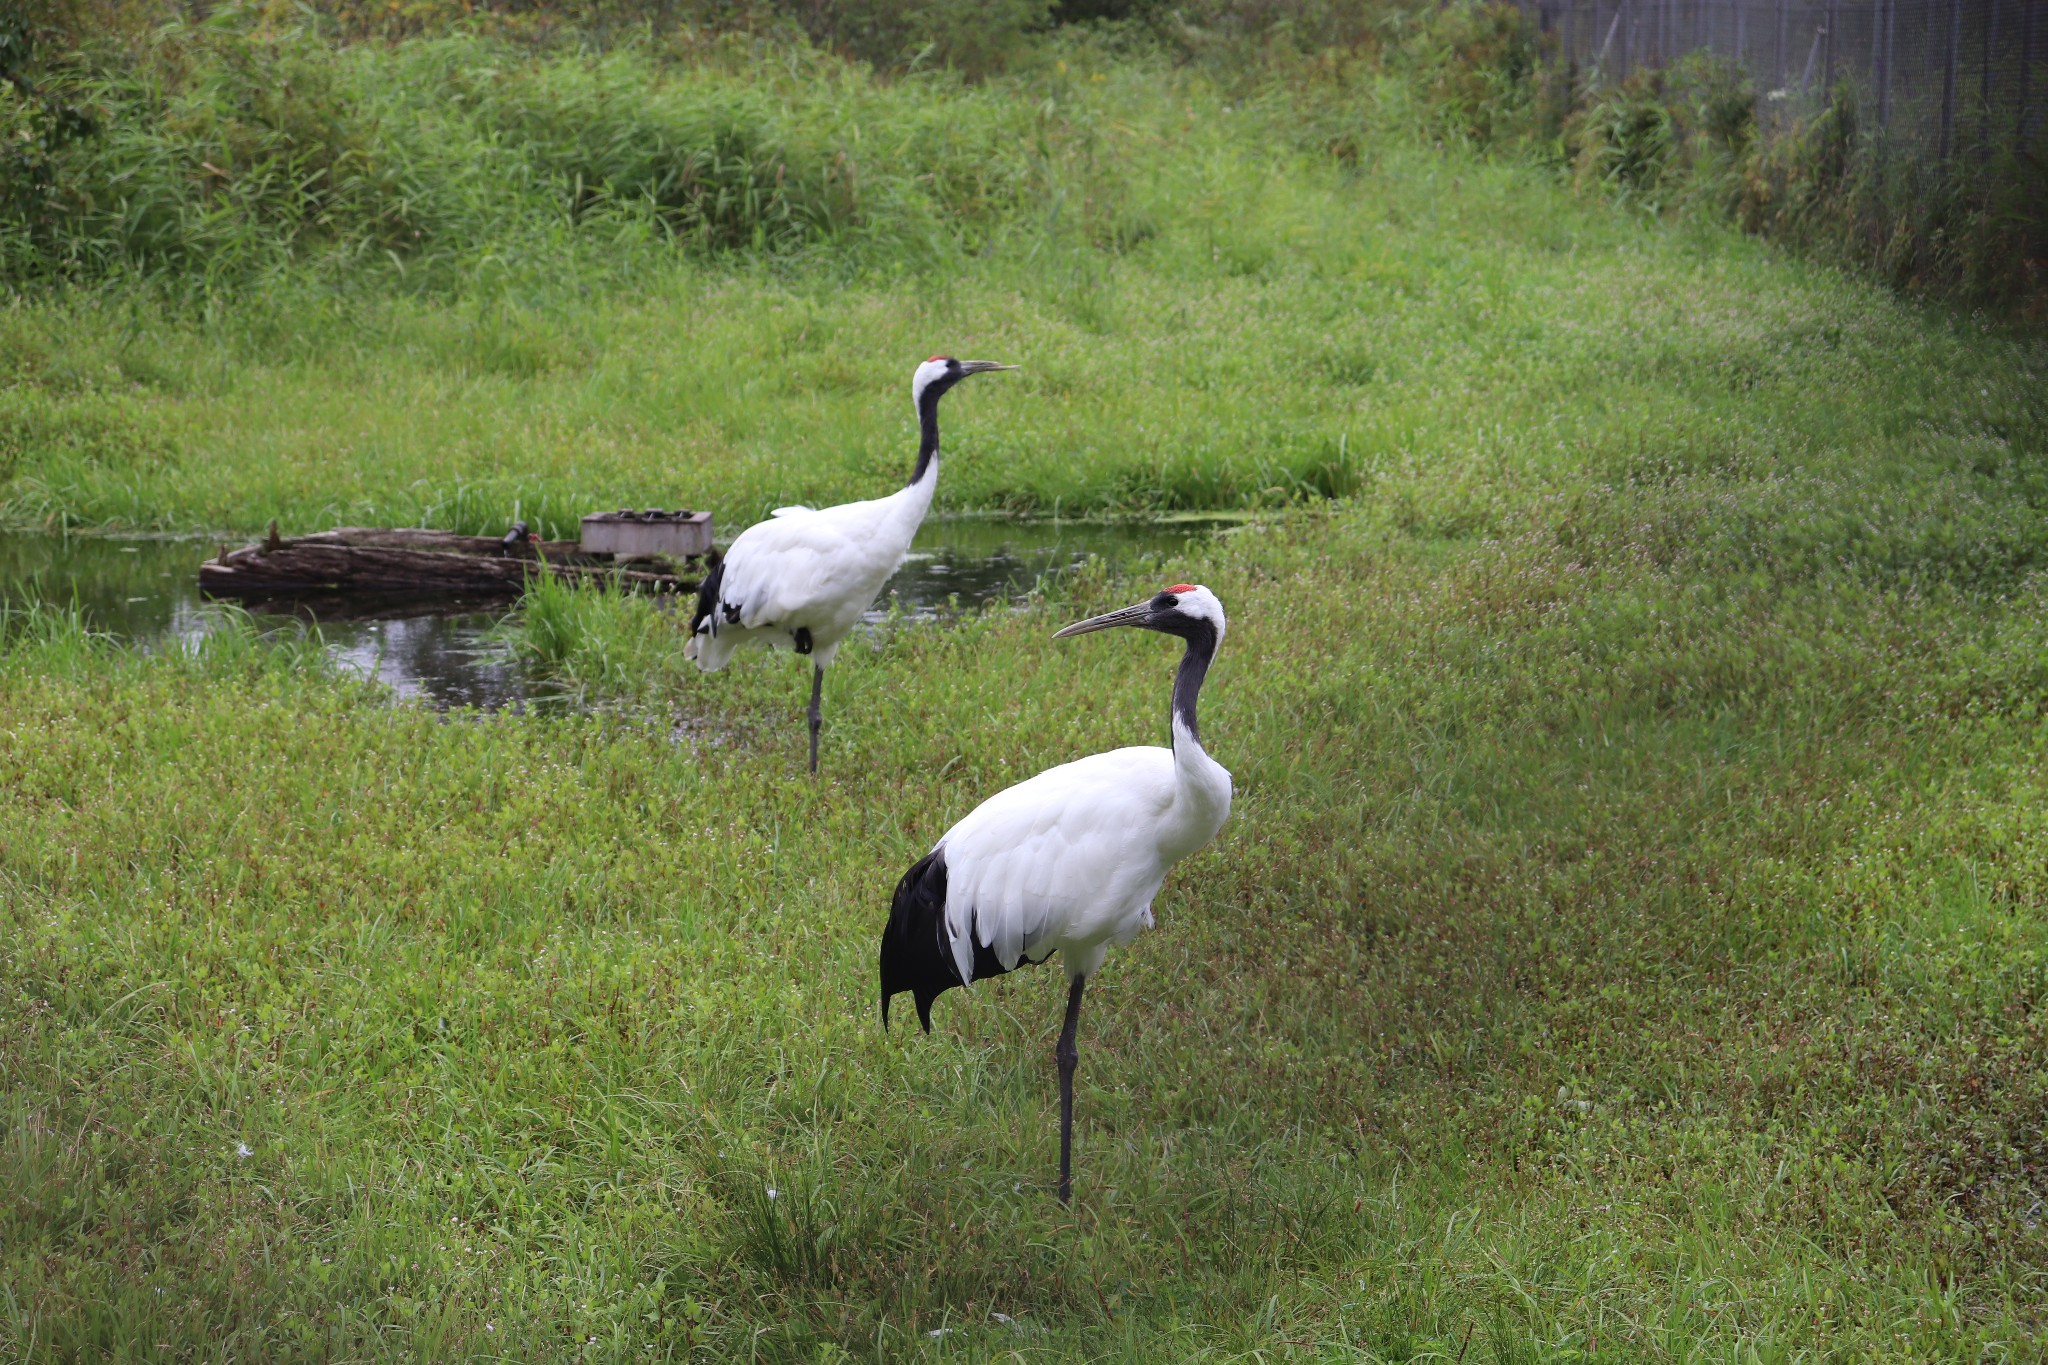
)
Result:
{"points": [[146, 591]]}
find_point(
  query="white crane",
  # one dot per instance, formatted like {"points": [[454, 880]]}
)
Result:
{"points": [[1068, 861], [804, 577]]}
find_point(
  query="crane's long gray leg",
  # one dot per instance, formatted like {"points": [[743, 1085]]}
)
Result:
{"points": [[1068, 1057], [817, 712]]}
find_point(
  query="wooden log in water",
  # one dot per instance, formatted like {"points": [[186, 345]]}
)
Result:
{"points": [[448, 542], [355, 559]]}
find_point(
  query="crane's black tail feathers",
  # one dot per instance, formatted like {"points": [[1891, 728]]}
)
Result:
{"points": [[707, 591], [917, 955]]}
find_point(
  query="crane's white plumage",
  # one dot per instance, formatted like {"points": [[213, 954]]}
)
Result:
{"points": [[1068, 861], [804, 578], [811, 570]]}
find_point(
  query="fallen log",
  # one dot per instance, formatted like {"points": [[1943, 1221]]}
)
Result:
{"points": [[356, 559]]}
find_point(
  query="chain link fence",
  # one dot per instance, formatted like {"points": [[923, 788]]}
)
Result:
{"points": [[1952, 76]]}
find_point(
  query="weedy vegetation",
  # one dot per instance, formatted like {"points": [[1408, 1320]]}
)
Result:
{"points": [[1628, 943]]}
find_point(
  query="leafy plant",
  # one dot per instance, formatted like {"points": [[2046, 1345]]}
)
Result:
{"points": [[1627, 142], [1474, 64]]}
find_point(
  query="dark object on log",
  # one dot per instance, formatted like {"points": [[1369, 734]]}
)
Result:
{"points": [[355, 559]]}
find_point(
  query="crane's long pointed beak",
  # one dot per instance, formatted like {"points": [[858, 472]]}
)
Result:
{"points": [[982, 366], [1128, 616]]}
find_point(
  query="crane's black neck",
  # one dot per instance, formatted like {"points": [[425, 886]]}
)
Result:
{"points": [[1194, 667], [928, 424]]}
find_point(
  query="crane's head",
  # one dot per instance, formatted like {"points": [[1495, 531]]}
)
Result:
{"points": [[942, 372], [1185, 609]]}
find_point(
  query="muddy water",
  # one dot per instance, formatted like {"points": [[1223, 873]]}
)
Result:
{"points": [[455, 653]]}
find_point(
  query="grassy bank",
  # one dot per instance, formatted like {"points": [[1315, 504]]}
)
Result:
{"points": [[1213, 302], [1222, 297], [1610, 956], [1628, 943]]}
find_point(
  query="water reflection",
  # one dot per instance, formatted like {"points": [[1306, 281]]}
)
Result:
{"points": [[451, 652]]}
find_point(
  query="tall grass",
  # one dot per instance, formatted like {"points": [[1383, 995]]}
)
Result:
{"points": [[232, 148], [604, 357], [606, 642]]}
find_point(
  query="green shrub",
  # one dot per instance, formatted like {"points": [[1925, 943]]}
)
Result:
{"points": [[707, 160], [235, 146], [1687, 138], [978, 39], [1661, 137], [1474, 64], [1834, 185], [1626, 141]]}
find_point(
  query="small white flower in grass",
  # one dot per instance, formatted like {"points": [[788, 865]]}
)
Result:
{"points": [[772, 1194], [244, 1150]]}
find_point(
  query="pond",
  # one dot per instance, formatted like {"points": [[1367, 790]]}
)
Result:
{"points": [[145, 591]]}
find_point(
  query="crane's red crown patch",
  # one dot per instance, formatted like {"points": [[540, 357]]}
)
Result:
{"points": [[930, 359], [1182, 587]]}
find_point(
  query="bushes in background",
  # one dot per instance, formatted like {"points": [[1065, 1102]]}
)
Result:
{"points": [[233, 144], [205, 147], [1816, 176]]}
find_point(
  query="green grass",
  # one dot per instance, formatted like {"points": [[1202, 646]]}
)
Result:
{"points": [[1601, 960], [1628, 943], [1213, 309]]}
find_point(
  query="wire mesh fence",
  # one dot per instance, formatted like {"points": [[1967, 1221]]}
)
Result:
{"points": [[1951, 76]]}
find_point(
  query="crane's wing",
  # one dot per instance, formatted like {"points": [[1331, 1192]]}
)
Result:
{"points": [[783, 566], [1063, 858]]}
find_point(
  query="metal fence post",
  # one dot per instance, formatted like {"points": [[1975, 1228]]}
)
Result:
{"points": [[2026, 70], [1984, 117], [1948, 79], [1888, 15], [1827, 75], [1778, 80]]}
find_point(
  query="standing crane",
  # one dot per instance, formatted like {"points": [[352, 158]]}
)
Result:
{"points": [[1067, 861], [804, 577]]}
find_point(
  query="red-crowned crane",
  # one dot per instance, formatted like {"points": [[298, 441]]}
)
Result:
{"points": [[1068, 861], [804, 577]]}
